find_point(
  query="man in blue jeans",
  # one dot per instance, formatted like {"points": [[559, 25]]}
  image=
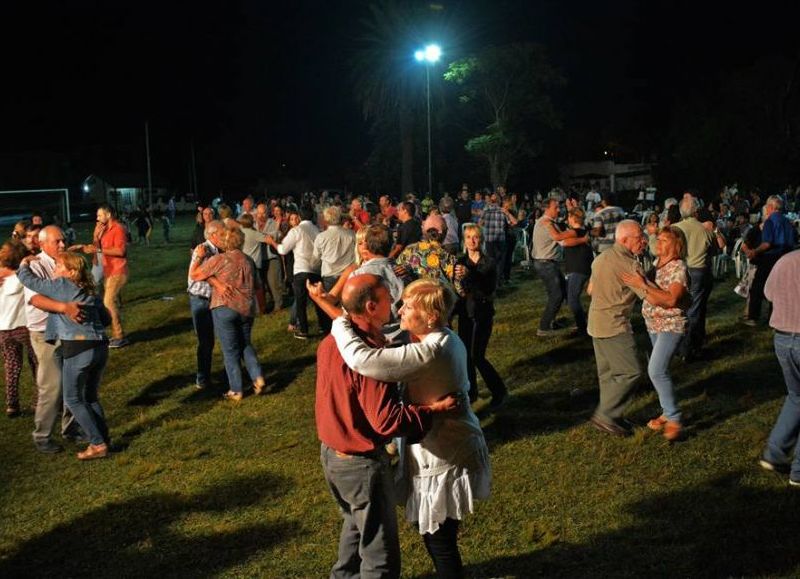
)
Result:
{"points": [[781, 290], [700, 248], [546, 256], [777, 238], [199, 303]]}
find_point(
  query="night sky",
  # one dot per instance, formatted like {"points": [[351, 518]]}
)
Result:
{"points": [[256, 86]]}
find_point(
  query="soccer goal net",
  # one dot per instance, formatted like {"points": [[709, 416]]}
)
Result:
{"points": [[52, 204]]}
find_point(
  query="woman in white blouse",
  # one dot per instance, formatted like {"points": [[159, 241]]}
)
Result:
{"points": [[449, 467]]}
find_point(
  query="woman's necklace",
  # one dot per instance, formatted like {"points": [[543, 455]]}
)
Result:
{"points": [[660, 265]]}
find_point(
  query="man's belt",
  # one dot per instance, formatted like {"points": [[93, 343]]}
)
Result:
{"points": [[790, 334]]}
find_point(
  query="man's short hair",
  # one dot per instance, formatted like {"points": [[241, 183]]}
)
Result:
{"points": [[212, 227], [224, 211], [378, 240], [689, 207], [246, 219], [410, 208], [355, 302], [307, 213], [625, 229], [332, 215], [107, 209]]}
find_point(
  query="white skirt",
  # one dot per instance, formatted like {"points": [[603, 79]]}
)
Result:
{"points": [[449, 494]]}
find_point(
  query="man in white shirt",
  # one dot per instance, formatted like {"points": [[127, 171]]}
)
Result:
{"points": [[335, 249], [48, 376], [272, 263], [300, 240]]}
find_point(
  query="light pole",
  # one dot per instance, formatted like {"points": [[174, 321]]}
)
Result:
{"points": [[429, 55]]}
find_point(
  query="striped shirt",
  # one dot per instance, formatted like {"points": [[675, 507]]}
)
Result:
{"points": [[608, 218], [202, 288], [781, 290]]}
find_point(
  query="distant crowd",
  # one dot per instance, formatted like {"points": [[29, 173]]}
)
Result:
{"points": [[404, 293]]}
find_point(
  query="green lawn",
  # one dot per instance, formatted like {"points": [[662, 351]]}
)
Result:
{"points": [[205, 488]]}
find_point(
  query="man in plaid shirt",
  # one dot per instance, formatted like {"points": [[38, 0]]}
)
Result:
{"points": [[494, 222]]}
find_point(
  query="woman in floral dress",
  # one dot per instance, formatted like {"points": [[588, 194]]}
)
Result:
{"points": [[664, 313]]}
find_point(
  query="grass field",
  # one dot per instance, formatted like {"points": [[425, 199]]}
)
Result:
{"points": [[205, 488]]}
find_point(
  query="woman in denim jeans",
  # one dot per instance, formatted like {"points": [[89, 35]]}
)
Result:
{"points": [[664, 313], [84, 346], [232, 309]]}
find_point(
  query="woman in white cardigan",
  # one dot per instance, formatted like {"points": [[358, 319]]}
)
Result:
{"points": [[449, 467]]}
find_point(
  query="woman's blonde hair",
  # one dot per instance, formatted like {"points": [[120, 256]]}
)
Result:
{"points": [[361, 236], [232, 239], [78, 268], [473, 227], [431, 296]]}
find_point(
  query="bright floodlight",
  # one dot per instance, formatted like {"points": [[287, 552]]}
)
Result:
{"points": [[419, 55], [86, 187], [433, 52]]}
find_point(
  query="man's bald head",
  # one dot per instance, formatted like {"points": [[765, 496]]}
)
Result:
{"points": [[629, 234], [51, 240], [627, 228], [360, 289]]}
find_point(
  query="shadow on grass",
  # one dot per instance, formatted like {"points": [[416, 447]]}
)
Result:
{"points": [[196, 403], [284, 374], [719, 529], [531, 413], [176, 326], [159, 390], [735, 390], [144, 536]]}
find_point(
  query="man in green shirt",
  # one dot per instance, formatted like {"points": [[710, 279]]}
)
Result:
{"points": [[700, 247], [618, 368]]}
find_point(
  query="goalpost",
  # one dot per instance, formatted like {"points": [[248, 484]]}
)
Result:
{"points": [[18, 204]]}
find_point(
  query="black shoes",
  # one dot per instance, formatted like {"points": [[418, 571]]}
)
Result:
{"points": [[612, 428], [498, 401], [48, 447]]}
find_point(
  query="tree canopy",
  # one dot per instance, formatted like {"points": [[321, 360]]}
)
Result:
{"points": [[507, 91]]}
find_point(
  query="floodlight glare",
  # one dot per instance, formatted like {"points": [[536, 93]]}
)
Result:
{"points": [[432, 53], [419, 55], [86, 187]]}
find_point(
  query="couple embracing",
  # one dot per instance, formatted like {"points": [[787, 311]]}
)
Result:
{"points": [[359, 410]]}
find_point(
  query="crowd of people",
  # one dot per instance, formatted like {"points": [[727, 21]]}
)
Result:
{"points": [[387, 282]]}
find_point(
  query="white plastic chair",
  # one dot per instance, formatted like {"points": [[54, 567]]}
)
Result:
{"points": [[526, 262], [739, 258]]}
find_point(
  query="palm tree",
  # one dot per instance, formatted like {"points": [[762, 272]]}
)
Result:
{"points": [[385, 80]]}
